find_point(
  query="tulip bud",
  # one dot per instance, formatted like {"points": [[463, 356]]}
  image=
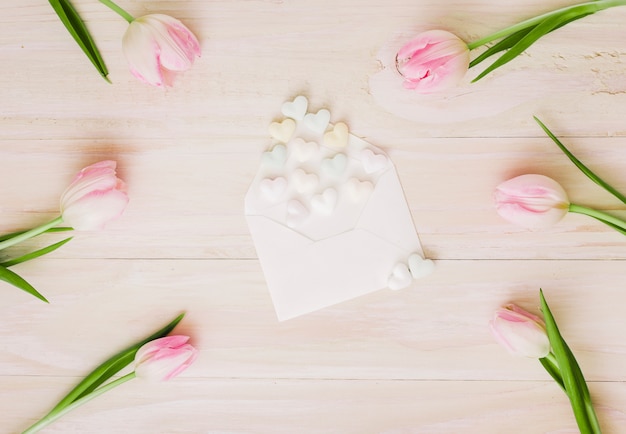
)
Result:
{"points": [[520, 332], [433, 61], [95, 196], [531, 201], [158, 46], [164, 358]]}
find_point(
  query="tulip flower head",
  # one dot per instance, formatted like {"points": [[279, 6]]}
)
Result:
{"points": [[433, 61], [157, 47], [531, 201], [164, 358], [95, 197], [520, 332]]}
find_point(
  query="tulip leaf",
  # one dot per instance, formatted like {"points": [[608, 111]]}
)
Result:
{"points": [[75, 25], [35, 254], [573, 379], [588, 172], [14, 234], [514, 38], [17, 281], [553, 369], [546, 26], [109, 368]]}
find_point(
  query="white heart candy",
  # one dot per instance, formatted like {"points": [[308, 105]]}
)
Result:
{"points": [[373, 162], [303, 151], [419, 266], [276, 156], [296, 213], [325, 203], [317, 122], [336, 165], [338, 137], [304, 182], [295, 109], [273, 189], [400, 277], [358, 190], [282, 131]]}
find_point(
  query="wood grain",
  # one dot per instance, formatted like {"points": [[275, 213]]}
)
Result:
{"points": [[420, 360]]}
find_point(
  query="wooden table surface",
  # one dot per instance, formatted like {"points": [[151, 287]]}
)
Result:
{"points": [[419, 360]]}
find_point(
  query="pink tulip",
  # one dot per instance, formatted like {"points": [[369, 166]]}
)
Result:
{"points": [[520, 332], [95, 196], [433, 61], [164, 358], [531, 201], [157, 47]]}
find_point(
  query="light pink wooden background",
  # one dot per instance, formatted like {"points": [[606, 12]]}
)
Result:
{"points": [[419, 360]]}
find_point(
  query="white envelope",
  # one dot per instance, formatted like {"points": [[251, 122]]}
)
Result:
{"points": [[329, 257]]}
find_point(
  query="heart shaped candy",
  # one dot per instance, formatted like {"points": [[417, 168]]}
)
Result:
{"points": [[276, 156], [303, 151], [337, 138], [358, 190], [419, 266], [295, 109], [317, 122], [400, 277], [336, 165], [282, 131], [273, 189], [297, 213], [373, 162], [325, 203], [304, 182]]}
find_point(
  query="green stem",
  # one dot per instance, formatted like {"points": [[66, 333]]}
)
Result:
{"points": [[29, 234], [54, 415], [598, 215], [115, 8], [598, 5]]}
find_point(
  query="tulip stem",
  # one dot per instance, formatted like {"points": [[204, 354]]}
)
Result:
{"points": [[54, 415], [598, 215], [31, 233], [115, 8], [591, 7]]}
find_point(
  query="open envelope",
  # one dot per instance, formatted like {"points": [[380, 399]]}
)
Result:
{"points": [[352, 227]]}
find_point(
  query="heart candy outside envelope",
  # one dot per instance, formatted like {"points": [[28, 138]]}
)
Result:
{"points": [[303, 151], [358, 190], [419, 266], [273, 189], [325, 203], [317, 122], [400, 277], [276, 156], [282, 131], [295, 109], [297, 213], [335, 165], [373, 162], [337, 138], [304, 182]]}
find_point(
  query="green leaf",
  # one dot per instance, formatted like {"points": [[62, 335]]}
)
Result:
{"points": [[588, 172], [611, 225], [14, 234], [109, 368], [513, 39], [74, 24], [573, 380], [35, 254], [553, 369], [15, 280], [546, 26]]}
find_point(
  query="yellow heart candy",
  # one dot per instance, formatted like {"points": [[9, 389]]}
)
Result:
{"points": [[337, 137], [282, 131]]}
